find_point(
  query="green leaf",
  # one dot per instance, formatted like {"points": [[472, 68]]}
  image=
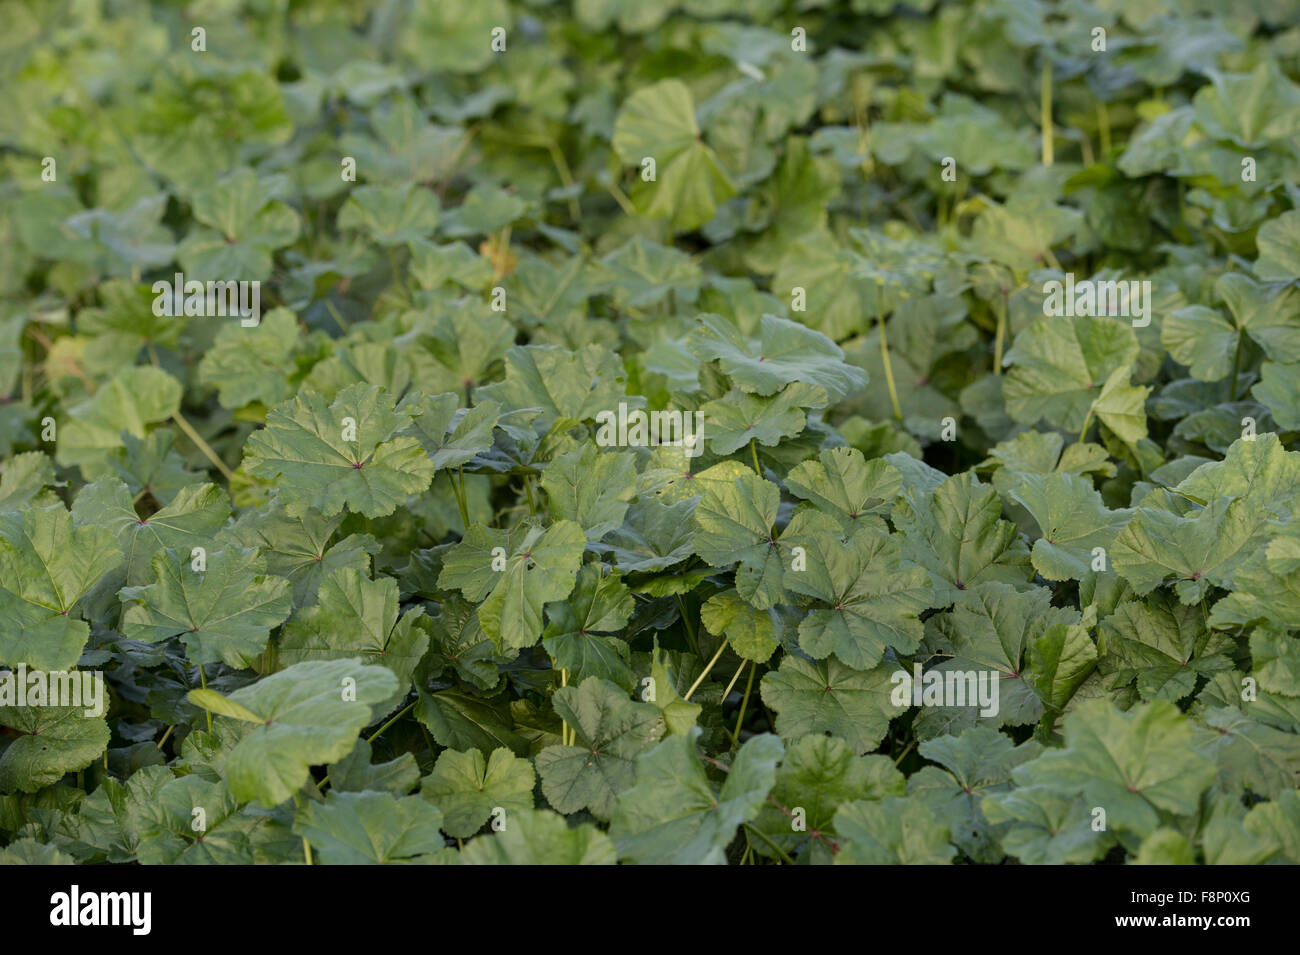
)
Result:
{"points": [[453, 436], [957, 534], [1060, 365], [830, 697], [751, 633], [1061, 660], [461, 721], [737, 418], [540, 837], [357, 617], [1250, 109], [214, 702], [355, 772], [201, 606], [246, 365], [610, 732], [192, 519], [46, 567], [1073, 522], [818, 774], [242, 225], [391, 215], [842, 483], [891, 831], [734, 521], [309, 714], [1162, 647], [563, 383], [51, 741], [1279, 248], [298, 548], [1136, 765], [536, 567], [370, 828], [130, 401], [575, 635], [675, 816], [658, 122], [874, 601], [342, 454], [1044, 827], [466, 788], [975, 764], [1251, 756], [784, 351], [592, 487]]}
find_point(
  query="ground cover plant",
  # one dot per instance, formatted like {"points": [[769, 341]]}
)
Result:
{"points": [[650, 431]]}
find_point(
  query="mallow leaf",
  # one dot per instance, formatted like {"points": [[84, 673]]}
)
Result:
{"points": [[674, 815], [610, 732], [223, 613], [346, 453], [310, 714]]}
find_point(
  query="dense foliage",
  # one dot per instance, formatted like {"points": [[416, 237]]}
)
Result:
{"points": [[398, 573]]}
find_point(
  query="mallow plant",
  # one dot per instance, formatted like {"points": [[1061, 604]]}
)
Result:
{"points": [[486, 432]]}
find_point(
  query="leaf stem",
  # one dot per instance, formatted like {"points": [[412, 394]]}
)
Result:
{"points": [[400, 713], [621, 198], [203, 446], [459, 492], [753, 450], [907, 749], [1045, 109], [884, 356], [163, 741], [736, 676], [705, 672], [777, 849], [690, 627], [1086, 421], [1236, 364], [1001, 336], [564, 726], [203, 681], [744, 704]]}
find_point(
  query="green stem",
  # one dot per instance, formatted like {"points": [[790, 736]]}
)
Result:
{"points": [[566, 176], [884, 357], [907, 749], [163, 741], [779, 851], [1103, 128], [528, 489], [734, 677], [690, 627], [1045, 109], [460, 495], [203, 446], [400, 713], [621, 198], [1236, 364], [306, 846], [1001, 335], [1086, 421], [705, 672], [744, 703], [338, 319], [753, 450], [203, 680]]}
